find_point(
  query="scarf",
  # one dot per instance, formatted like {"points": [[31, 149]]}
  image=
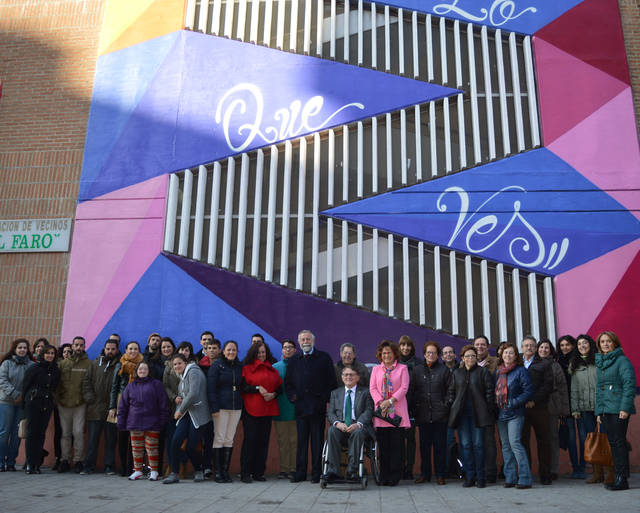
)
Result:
{"points": [[20, 360], [387, 387], [129, 365], [502, 393]]}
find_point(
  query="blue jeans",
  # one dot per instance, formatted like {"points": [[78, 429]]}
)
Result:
{"points": [[514, 452], [472, 445], [586, 424], [577, 463], [186, 430], [10, 417]]}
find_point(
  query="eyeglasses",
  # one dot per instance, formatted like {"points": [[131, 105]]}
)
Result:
{"points": [[469, 356], [349, 375], [431, 352]]}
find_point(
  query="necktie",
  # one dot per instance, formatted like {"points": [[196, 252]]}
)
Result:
{"points": [[348, 409]]}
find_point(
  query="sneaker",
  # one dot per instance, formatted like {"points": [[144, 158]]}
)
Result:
{"points": [[198, 477], [86, 471], [78, 467], [283, 475], [171, 478], [109, 471], [137, 474], [207, 473], [153, 475], [63, 467]]}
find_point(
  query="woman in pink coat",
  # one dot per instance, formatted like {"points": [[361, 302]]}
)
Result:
{"points": [[388, 387]]}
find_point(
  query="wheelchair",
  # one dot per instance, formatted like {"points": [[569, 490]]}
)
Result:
{"points": [[368, 450]]}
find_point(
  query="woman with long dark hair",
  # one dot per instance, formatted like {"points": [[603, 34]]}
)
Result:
{"points": [[388, 387], [170, 380], [260, 386], [513, 391], [615, 393], [583, 372], [64, 352], [39, 386], [558, 406], [225, 403], [13, 366], [472, 400], [38, 348]]}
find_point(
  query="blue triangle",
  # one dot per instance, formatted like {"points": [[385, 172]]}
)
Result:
{"points": [[122, 77], [181, 120], [169, 301], [531, 211]]}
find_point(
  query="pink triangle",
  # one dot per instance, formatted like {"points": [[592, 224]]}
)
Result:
{"points": [[145, 247], [582, 292], [604, 148], [104, 230], [569, 89]]}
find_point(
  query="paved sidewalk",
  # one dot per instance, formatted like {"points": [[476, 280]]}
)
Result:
{"points": [[113, 494]]}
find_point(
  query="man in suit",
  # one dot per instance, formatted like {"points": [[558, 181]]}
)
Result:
{"points": [[350, 414], [309, 381]]}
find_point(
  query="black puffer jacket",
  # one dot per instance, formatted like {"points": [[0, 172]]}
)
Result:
{"points": [[477, 382], [223, 385], [428, 393], [541, 375], [40, 383]]}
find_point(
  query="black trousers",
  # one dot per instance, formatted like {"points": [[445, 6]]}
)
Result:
{"points": [[490, 453], [95, 428], [390, 446], [57, 433], [255, 445], [538, 419], [124, 450], [38, 415], [433, 434], [310, 428], [616, 429], [409, 449]]}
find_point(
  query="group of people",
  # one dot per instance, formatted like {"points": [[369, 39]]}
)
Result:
{"points": [[174, 405]]}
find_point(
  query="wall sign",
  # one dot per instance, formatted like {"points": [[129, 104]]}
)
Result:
{"points": [[35, 235]]}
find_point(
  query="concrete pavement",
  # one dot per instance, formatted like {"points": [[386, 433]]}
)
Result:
{"points": [[72, 493]]}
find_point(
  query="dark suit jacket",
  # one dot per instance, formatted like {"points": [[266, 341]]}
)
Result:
{"points": [[309, 382], [362, 408]]}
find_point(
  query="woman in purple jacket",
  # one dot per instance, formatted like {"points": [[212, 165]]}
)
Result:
{"points": [[144, 411]]}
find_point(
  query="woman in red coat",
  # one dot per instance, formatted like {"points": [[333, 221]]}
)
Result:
{"points": [[260, 386]]}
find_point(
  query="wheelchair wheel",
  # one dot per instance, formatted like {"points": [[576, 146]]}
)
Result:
{"points": [[374, 462]]}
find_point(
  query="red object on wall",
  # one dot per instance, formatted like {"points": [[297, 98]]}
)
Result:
{"points": [[621, 313], [592, 32]]}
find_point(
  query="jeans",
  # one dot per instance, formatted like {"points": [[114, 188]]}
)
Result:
{"points": [[95, 428], [513, 452], [586, 424], [433, 434], [577, 462], [617, 432], [451, 441], [10, 417], [472, 445], [186, 430]]}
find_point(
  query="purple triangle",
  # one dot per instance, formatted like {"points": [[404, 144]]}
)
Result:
{"points": [[282, 313]]}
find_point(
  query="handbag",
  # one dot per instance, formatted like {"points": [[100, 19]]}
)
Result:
{"points": [[22, 428], [394, 421], [597, 449]]}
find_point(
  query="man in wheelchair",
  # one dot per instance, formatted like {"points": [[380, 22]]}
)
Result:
{"points": [[350, 417]]}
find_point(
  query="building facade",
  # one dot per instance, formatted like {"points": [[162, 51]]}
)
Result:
{"points": [[364, 170]]}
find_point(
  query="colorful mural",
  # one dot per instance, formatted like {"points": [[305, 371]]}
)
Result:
{"points": [[167, 99]]}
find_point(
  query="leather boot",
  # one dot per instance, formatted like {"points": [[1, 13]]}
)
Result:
{"points": [[217, 464], [226, 461], [619, 484], [597, 476], [610, 477]]}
